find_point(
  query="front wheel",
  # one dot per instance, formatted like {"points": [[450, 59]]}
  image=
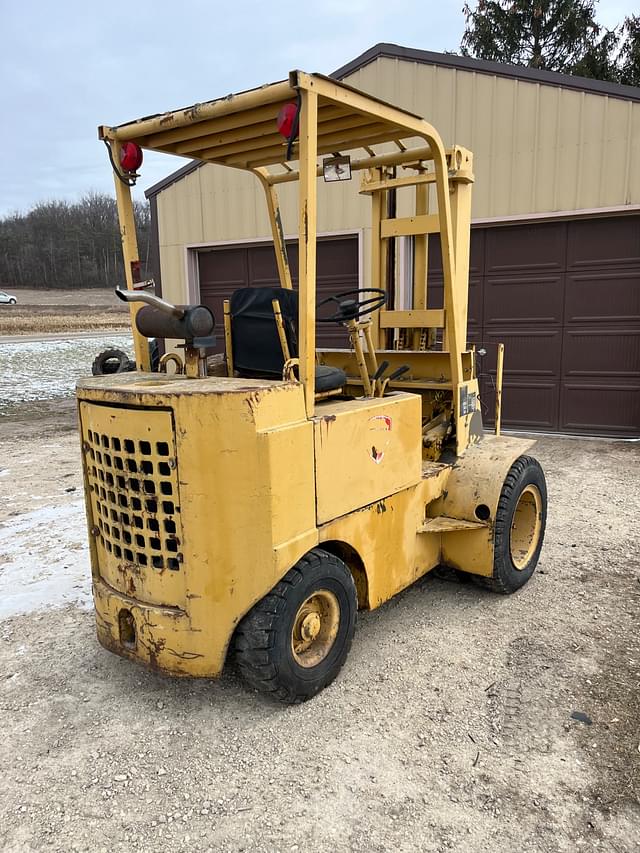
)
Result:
{"points": [[295, 640], [519, 527], [12, 302]]}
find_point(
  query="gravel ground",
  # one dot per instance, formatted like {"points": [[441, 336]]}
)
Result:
{"points": [[449, 728]]}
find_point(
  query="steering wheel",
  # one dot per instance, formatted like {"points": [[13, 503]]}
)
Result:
{"points": [[352, 305]]}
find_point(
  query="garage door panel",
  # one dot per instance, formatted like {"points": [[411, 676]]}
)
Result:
{"points": [[525, 248], [474, 336], [435, 297], [342, 259], [565, 300], [603, 295], [262, 267], [476, 253], [607, 242], [602, 352], [526, 299], [525, 404], [600, 407], [220, 266], [528, 352]]}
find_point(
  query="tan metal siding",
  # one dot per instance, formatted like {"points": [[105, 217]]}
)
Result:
{"points": [[172, 266], [181, 220], [537, 148]]}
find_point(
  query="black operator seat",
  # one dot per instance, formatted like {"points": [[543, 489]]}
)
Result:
{"points": [[257, 351]]}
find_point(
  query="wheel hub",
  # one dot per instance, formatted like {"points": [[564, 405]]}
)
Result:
{"points": [[310, 627], [526, 527], [315, 628]]}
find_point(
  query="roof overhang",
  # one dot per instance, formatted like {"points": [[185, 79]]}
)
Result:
{"points": [[240, 130], [454, 61]]}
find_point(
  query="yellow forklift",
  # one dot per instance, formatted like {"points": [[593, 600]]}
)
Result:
{"points": [[253, 509]]}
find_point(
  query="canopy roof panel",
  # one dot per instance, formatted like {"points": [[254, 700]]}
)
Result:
{"points": [[240, 130]]}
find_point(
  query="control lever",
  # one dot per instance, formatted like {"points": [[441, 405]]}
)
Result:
{"points": [[397, 373], [376, 377]]}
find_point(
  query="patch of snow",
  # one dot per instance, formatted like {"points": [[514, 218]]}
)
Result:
{"points": [[34, 371], [44, 560]]}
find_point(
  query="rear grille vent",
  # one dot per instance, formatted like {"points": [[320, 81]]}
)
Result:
{"points": [[135, 499]]}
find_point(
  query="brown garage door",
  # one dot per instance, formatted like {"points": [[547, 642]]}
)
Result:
{"points": [[225, 269], [564, 297]]}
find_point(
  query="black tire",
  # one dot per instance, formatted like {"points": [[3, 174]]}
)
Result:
{"points": [[110, 361], [154, 355], [264, 640], [524, 485], [12, 302]]}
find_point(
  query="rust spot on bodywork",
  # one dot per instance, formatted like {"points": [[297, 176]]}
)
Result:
{"points": [[252, 401], [280, 230], [429, 473], [192, 113], [154, 649], [129, 573], [184, 655]]}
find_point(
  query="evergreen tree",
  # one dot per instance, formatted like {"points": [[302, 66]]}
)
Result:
{"points": [[629, 59], [555, 35]]}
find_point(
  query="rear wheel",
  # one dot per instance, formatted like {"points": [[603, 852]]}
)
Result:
{"points": [[295, 640], [519, 526]]}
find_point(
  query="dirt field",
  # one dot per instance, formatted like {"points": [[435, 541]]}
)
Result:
{"points": [[450, 727], [45, 311]]}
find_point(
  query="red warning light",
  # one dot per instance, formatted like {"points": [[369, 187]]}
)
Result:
{"points": [[130, 156], [287, 119]]}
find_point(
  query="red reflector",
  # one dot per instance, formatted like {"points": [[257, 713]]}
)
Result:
{"points": [[130, 156], [286, 119]]}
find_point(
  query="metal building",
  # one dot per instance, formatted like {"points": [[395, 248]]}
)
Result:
{"points": [[555, 260]]}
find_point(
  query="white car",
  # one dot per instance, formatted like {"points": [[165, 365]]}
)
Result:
{"points": [[7, 297]]}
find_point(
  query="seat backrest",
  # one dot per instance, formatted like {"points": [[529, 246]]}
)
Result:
{"points": [[254, 333]]}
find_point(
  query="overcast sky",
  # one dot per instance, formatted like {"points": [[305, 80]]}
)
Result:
{"points": [[70, 65]]}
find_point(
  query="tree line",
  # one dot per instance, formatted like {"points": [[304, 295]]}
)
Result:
{"points": [[553, 35], [68, 244]]}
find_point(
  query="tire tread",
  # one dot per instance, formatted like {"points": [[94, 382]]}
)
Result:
{"points": [[255, 635], [497, 583]]}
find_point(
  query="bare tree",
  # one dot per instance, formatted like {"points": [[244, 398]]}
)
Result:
{"points": [[62, 244]]}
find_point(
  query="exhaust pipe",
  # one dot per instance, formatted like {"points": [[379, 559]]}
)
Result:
{"points": [[151, 299]]}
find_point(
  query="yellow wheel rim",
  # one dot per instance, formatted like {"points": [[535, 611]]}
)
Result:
{"points": [[526, 527], [315, 628]]}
